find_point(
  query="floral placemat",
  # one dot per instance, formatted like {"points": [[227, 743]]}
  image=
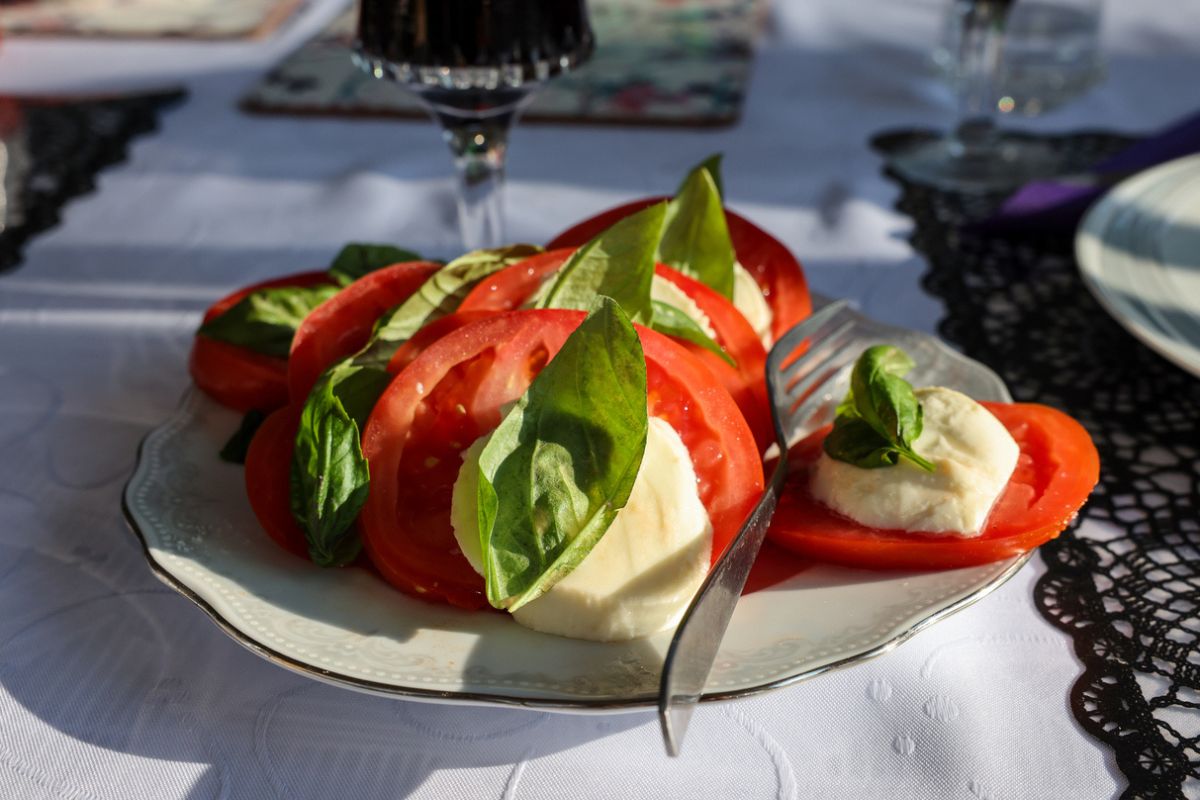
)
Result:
{"points": [[657, 62], [185, 19]]}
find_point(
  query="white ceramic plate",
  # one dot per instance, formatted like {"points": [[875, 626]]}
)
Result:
{"points": [[1139, 253], [349, 628]]}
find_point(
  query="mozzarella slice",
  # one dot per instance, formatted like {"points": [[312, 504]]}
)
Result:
{"points": [[748, 299], [974, 454], [640, 576], [664, 291]]}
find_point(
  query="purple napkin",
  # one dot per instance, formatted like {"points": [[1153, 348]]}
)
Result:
{"points": [[1057, 205]]}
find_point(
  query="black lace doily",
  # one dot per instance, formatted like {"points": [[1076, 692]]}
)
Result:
{"points": [[51, 151], [1128, 592]]}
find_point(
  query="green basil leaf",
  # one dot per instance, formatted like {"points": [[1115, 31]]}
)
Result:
{"points": [[329, 475], [619, 263], [356, 260], [712, 165], [672, 321], [563, 461], [440, 295], [880, 400], [854, 441], [265, 321], [881, 395], [695, 238], [235, 449]]}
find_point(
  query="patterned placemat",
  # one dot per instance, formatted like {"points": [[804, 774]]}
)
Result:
{"points": [[1128, 590], [657, 62], [185, 19], [51, 151]]}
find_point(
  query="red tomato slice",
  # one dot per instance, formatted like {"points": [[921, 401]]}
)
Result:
{"points": [[1056, 471], [777, 271], [342, 325], [268, 467], [407, 352], [509, 288], [237, 377], [512, 286], [452, 393]]}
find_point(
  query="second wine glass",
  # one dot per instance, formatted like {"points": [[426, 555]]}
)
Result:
{"points": [[1005, 57], [474, 64]]}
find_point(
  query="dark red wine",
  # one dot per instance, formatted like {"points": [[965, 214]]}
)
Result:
{"points": [[524, 39]]}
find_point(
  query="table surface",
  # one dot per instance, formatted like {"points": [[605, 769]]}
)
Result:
{"points": [[112, 687]]}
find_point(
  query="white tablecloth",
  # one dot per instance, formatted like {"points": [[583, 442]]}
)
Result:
{"points": [[113, 687]]}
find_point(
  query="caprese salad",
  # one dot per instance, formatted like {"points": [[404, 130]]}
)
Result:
{"points": [[572, 435]]}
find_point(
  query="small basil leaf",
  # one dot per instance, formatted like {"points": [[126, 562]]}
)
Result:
{"points": [[880, 419], [265, 321], [440, 295], [674, 322], [846, 408], [234, 450], [695, 238], [563, 461], [881, 395], [329, 475], [356, 260], [712, 165], [619, 263], [854, 441]]}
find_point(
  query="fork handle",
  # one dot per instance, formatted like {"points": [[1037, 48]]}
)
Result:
{"points": [[694, 648]]}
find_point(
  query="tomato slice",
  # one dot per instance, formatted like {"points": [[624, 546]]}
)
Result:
{"points": [[1056, 471], [268, 485], [509, 288], [407, 352], [452, 394], [237, 377], [342, 325], [512, 286], [777, 271]]}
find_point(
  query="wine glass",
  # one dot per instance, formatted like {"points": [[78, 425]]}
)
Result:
{"points": [[474, 64], [1005, 57]]}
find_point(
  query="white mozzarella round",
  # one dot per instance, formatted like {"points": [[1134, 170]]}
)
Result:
{"points": [[748, 299], [640, 576], [974, 454]]}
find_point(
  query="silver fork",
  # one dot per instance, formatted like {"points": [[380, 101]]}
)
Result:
{"points": [[795, 379]]}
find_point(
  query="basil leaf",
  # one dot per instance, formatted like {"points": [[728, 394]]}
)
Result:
{"points": [[235, 449], [356, 260], [330, 477], [265, 321], [856, 442], [441, 294], [881, 395], [673, 322], [695, 238], [882, 403], [563, 461], [712, 165], [619, 263]]}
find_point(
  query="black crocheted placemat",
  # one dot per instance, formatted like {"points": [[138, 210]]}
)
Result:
{"points": [[52, 151], [1126, 586]]}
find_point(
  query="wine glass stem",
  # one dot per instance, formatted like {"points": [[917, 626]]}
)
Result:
{"points": [[478, 145], [982, 45]]}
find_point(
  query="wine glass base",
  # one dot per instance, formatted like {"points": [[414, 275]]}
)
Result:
{"points": [[1006, 163]]}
